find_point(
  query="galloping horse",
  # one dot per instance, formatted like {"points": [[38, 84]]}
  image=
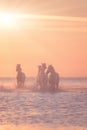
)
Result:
{"points": [[20, 76], [42, 77], [53, 78]]}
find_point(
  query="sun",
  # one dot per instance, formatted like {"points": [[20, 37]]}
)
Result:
{"points": [[7, 20], [12, 20]]}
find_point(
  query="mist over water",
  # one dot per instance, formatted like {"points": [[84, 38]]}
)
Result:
{"points": [[20, 107], [30, 82]]}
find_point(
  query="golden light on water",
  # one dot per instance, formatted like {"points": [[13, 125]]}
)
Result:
{"points": [[26, 127]]}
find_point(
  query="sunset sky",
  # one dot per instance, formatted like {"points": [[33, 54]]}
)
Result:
{"points": [[37, 31]]}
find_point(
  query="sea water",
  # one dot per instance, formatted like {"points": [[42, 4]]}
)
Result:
{"points": [[66, 108]]}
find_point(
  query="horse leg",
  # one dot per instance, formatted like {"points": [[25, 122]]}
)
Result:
{"points": [[18, 84], [23, 84], [56, 86]]}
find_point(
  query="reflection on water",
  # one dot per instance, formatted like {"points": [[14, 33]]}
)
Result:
{"points": [[13, 127]]}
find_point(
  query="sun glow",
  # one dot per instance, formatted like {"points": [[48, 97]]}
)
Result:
{"points": [[19, 20], [7, 20]]}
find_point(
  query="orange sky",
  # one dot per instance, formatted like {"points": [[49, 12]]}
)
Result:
{"points": [[53, 34]]}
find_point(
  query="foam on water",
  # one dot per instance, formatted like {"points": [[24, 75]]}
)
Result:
{"points": [[66, 84]]}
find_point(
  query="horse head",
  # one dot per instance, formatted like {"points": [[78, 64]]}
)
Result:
{"points": [[43, 66], [50, 69], [18, 68]]}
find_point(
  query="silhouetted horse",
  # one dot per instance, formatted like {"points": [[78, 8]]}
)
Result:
{"points": [[20, 76], [53, 78]]}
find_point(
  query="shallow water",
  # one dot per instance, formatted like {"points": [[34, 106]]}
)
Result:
{"points": [[43, 108], [37, 110]]}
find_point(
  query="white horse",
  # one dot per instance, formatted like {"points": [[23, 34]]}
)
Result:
{"points": [[20, 76], [53, 78], [42, 77]]}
